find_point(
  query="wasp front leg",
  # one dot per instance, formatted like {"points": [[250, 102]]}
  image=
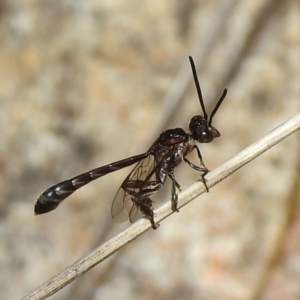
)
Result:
{"points": [[202, 168]]}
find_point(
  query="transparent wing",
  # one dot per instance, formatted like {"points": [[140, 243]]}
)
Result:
{"points": [[142, 177]]}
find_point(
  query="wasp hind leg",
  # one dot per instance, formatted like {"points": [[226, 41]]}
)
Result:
{"points": [[146, 208]]}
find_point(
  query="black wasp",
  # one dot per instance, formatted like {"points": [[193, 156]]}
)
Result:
{"points": [[148, 176]]}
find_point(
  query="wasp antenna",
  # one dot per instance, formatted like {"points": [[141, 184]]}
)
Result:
{"points": [[217, 106], [198, 87]]}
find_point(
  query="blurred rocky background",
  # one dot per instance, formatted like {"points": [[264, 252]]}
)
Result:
{"points": [[86, 83]]}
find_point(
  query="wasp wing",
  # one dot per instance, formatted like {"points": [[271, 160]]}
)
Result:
{"points": [[142, 177]]}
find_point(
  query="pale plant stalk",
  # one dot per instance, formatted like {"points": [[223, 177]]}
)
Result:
{"points": [[107, 249]]}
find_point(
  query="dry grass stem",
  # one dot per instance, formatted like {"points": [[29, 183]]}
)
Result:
{"points": [[107, 249]]}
